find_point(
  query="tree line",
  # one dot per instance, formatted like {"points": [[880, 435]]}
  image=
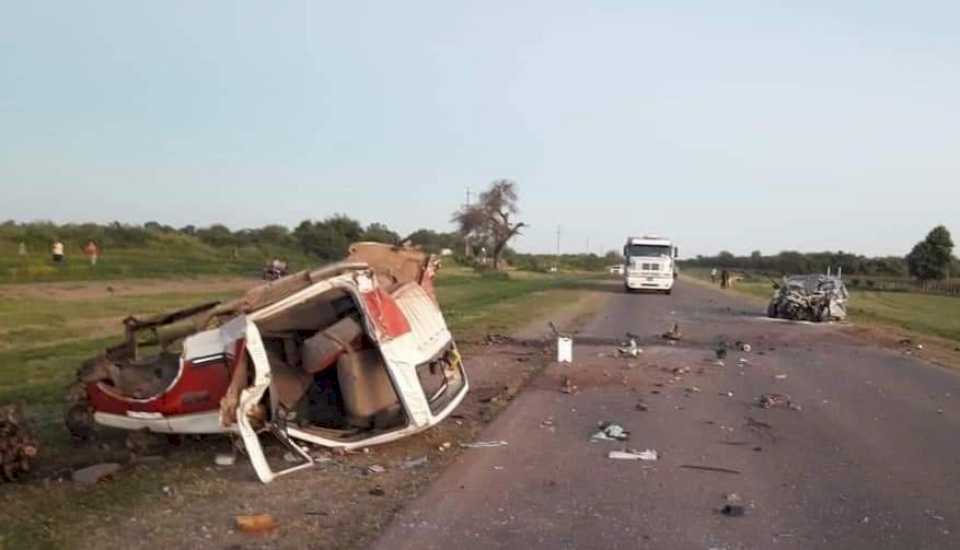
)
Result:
{"points": [[930, 259], [326, 239]]}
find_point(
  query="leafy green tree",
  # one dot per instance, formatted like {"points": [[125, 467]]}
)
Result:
{"points": [[380, 233], [328, 239], [930, 258]]}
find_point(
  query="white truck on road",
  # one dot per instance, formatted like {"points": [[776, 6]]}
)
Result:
{"points": [[649, 264]]}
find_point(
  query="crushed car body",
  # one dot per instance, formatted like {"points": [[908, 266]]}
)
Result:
{"points": [[815, 298], [349, 355]]}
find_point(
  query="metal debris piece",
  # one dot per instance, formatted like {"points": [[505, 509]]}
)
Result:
{"points": [[629, 348], [610, 431], [733, 510], [483, 444], [649, 455], [770, 400], [376, 469], [568, 386], [781, 377], [415, 462], [672, 334], [809, 298], [710, 468]]}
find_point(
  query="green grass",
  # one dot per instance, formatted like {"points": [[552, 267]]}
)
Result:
{"points": [[930, 314], [165, 256], [43, 340]]}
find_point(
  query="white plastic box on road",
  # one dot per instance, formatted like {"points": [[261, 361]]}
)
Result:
{"points": [[564, 349]]}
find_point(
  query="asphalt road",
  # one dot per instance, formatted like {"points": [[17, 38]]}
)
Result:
{"points": [[871, 459]]}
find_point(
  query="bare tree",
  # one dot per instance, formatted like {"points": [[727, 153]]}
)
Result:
{"points": [[490, 219]]}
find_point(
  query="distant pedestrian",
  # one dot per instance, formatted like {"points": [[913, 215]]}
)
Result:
{"points": [[57, 252], [92, 250], [724, 279], [713, 275], [23, 249]]}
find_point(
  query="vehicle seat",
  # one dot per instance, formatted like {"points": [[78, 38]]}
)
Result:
{"points": [[368, 395]]}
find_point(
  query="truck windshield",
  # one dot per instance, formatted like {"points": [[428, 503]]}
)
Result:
{"points": [[648, 250]]}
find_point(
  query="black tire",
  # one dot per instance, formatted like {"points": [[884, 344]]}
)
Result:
{"points": [[772, 310], [669, 292]]}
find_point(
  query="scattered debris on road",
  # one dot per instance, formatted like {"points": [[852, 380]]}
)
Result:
{"points": [[816, 298], [376, 469], [483, 444], [415, 463], [733, 510], [649, 455], [629, 348], [256, 523], [710, 469], [781, 376], [743, 347], [770, 400], [610, 431], [641, 406], [17, 445], [568, 386], [672, 334]]}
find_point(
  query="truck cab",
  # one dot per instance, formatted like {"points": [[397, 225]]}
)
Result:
{"points": [[649, 264]]}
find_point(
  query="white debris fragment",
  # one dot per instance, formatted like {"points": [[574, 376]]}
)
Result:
{"points": [[376, 469], [610, 431], [781, 377], [649, 455], [483, 444], [225, 459]]}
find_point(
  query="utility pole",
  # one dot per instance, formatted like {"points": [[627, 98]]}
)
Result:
{"points": [[556, 263], [466, 236]]}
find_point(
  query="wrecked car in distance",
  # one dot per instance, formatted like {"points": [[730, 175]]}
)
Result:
{"points": [[349, 355], [816, 298]]}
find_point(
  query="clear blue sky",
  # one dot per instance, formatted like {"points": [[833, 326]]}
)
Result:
{"points": [[738, 125]]}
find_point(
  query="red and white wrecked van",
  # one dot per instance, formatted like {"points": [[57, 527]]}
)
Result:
{"points": [[348, 355]]}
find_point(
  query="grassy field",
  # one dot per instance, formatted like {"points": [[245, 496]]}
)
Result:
{"points": [[930, 314], [166, 256], [47, 330]]}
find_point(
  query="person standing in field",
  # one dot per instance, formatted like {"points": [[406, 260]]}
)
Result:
{"points": [[92, 250], [23, 249], [713, 275], [57, 251]]}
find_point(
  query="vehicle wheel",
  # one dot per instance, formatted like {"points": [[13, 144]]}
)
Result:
{"points": [[772, 310], [669, 292]]}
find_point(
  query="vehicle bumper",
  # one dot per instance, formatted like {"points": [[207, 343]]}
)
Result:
{"points": [[648, 283]]}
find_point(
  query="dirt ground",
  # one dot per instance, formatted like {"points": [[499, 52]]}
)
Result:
{"points": [[88, 290]]}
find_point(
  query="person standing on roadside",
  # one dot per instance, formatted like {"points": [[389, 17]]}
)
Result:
{"points": [[92, 250], [23, 249], [57, 251], [713, 275]]}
